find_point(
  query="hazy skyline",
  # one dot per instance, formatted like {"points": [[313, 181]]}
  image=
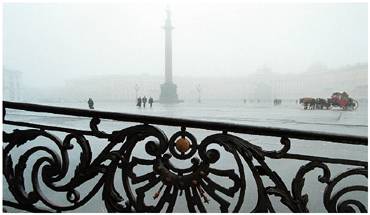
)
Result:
{"points": [[59, 41]]}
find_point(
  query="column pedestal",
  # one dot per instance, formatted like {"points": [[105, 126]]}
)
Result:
{"points": [[169, 93]]}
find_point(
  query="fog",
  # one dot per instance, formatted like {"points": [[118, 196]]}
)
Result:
{"points": [[232, 62], [54, 43]]}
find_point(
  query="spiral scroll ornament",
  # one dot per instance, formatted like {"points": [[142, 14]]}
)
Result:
{"points": [[195, 183]]}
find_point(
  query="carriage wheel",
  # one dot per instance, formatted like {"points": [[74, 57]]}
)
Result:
{"points": [[354, 104]]}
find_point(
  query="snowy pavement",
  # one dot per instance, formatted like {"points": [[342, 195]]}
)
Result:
{"points": [[286, 116]]}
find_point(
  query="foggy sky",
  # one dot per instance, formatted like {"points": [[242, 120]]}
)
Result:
{"points": [[56, 42]]}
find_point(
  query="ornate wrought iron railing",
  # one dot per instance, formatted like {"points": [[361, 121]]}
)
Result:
{"points": [[183, 173]]}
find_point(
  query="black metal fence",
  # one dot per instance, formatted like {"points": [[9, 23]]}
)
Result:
{"points": [[193, 186]]}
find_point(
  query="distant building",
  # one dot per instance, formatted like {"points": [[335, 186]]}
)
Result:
{"points": [[111, 87], [317, 81], [12, 80], [264, 84]]}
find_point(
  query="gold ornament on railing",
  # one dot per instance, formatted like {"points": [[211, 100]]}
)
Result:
{"points": [[182, 145]]}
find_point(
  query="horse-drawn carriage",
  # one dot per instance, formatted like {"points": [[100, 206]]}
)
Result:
{"points": [[341, 100]]}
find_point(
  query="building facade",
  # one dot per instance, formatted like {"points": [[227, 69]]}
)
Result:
{"points": [[12, 85]]}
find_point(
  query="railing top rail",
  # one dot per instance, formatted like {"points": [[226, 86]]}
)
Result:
{"points": [[187, 123]]}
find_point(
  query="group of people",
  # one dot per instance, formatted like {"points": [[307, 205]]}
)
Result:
{"points": [[143, 101], [140, 101]]}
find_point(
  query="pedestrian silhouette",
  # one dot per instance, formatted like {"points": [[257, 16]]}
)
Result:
{"points": [[144, 101], [138, 102], [90, 102], [150, 101]]}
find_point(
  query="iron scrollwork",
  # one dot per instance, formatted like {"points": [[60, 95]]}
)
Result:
{"points": [[196, 182]]}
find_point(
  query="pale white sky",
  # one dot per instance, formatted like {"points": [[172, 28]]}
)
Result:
{"points": [[59, 41]]}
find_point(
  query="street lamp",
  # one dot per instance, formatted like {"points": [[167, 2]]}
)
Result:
{"points": [[198, 89], [136, 90]]}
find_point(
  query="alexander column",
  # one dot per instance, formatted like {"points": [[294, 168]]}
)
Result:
{"points": [[168, 88]]}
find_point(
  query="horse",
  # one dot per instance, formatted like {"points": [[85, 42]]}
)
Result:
{"points": [[322, 103], [308, 102]]}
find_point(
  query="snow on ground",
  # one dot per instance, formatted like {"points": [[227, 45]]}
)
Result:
{"points": [[289, 115]]}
